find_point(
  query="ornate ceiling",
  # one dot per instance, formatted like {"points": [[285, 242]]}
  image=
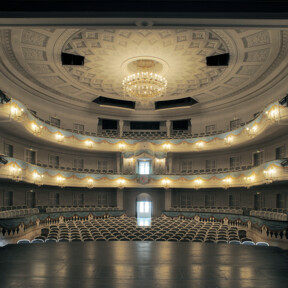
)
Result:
{"points": [[31, 57]]}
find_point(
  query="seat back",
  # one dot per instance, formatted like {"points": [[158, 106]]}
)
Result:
{"points": [[37, 241], [23, 241]]}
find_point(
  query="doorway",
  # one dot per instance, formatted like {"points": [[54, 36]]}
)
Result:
{"points": [[144, 213], [31, 199], [257, 201], [144, 210]]}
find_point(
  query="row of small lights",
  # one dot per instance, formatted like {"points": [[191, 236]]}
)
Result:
{"points": [[36, 129], [166, 147], [227, 182]]}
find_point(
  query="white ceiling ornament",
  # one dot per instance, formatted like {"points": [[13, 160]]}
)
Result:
{"points": [[144, 84], [182, 54]]}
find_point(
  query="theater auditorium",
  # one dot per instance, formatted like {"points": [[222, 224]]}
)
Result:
{"points": [[143, 144]]}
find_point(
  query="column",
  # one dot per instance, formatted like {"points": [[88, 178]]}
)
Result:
{"points": [[169, 163], [168, 127], [120, 195], [191, 125], [96, 126], [118, 163], [168, 196], [121, 125]]}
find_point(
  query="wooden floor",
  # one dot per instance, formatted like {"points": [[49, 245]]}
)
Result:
{"points": [[142, 264]]}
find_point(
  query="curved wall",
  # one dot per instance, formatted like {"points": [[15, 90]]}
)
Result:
{"points": [[174, 163], [22, 122], [273, 196]]}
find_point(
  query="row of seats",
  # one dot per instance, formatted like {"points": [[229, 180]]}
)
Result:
{"points": [[80, 208], [161, 229], [213, 171], [144, 135], [279, 210], [5, 208], [175, 134], [269, 215], [225, 210], [233, 242], [69, 169], [18, 213], [109, 133], [182, 172]]}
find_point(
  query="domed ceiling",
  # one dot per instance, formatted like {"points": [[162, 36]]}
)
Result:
{"points": [[32, 59]]}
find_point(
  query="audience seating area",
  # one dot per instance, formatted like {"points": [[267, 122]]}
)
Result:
{"points": [[161, 229], [80, 170], [279, 214], [224, 210], [18, 213], [163, 172], [79, 208], [6, 208], [175, 134], [212, 171], [109, 133], [145, 135]]}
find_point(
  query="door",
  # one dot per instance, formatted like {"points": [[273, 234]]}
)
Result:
{"points": [[257, 202], [31, 199], [144, 213]]}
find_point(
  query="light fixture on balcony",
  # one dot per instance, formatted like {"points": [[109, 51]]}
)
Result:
{"points": [[269, 175], [166, 183], [249, 180], [90, 183], [228, 140], [199, 145], [59, 137], [122, 147], [252, 131], [38, 179], [16, 173], [198, 183], [16, 112], [89, 143], [227, 182], [60, 181], [166, 147], [130, 160], [121, 183], [145, 84], [273, 114], [36, 129]]}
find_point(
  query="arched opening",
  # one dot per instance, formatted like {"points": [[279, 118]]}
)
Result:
{"points": [[144, 209]]}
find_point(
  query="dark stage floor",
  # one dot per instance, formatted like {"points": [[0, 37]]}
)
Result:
{"points": [[142, 264]]}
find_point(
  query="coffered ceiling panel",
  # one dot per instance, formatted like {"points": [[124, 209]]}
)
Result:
{"points": [[31, 58]]}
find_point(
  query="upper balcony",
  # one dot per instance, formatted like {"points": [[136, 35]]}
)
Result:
{"points": [[18, 119], [18, 170]]}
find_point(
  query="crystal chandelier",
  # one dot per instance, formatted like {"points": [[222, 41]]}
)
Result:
{"points": [[144, 85]]}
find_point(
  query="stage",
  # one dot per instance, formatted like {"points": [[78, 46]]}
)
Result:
{"points": [[142, 264]]}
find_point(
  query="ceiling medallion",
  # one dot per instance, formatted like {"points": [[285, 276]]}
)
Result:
{"points": [[145, 84]]}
